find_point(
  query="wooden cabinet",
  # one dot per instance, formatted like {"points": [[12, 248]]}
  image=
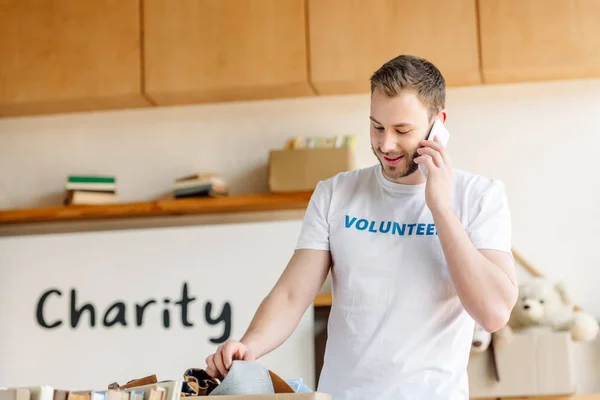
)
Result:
{"points": [[200, 51], [76, 55], [530, 40], [69, 55], [349, 40]]}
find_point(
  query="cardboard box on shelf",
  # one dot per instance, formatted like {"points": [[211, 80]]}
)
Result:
{"points": [[533, 364], [298, 170]]}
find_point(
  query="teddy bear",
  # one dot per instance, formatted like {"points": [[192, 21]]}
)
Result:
{"points": [[481, 339], [544, 306]]}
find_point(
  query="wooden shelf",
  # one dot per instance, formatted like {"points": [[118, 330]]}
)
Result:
{"points": [[190, 206], [323, 300], [219, 205]]}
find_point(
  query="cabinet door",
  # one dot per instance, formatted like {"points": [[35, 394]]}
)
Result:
{"points": [[527, 40], [224, 50], [69, 55], [350, 39]]}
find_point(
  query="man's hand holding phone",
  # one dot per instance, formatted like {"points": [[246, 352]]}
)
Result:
{"points": [[434, 157]]}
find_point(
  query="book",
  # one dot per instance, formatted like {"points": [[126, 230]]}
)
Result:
{"points": [[15, 394], [96, 187], [320, 142], [200, 185], [90, 190], [82, 197], [91, 179]]}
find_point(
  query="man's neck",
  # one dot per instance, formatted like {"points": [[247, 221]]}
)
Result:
{"points": [[416, 178]]}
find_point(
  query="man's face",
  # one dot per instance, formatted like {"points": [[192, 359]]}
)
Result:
{"points": [[397, 125]]}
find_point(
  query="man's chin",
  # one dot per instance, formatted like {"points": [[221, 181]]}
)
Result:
{"points": [[394, 172]]}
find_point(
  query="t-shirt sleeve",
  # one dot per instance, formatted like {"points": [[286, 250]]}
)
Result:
{"points": [[490, 226], [315, 227]]}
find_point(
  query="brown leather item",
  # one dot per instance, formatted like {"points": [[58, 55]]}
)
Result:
{"points": [[280, 385], [147, 380]]}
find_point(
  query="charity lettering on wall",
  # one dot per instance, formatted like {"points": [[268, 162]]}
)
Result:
{"points": [[116, 313], [87, 309]]}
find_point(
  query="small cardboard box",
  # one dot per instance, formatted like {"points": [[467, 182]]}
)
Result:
{"points": [[533, 364], [299, 170]]}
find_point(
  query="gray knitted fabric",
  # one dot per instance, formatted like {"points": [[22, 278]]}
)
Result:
{"points": [[245, 377]]}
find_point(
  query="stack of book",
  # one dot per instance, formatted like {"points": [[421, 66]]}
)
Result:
{"points": [[200, 185], [90, 190], [320, 142], [166, 390]]}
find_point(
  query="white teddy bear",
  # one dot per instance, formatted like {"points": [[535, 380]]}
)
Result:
{"points": [[544, 306]]}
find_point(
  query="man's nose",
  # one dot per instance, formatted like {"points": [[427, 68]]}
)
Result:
{"points": [[389, 143]]}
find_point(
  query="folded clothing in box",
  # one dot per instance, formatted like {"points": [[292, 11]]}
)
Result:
{"points": [[244, 378]]}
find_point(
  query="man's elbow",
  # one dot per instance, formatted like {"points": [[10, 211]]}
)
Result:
{"points": [[497, 316], [495, 321]]}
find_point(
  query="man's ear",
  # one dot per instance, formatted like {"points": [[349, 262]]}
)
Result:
{"points": [[442, 116]]}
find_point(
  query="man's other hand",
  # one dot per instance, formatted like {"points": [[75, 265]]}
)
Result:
{"points": [[218, 364]]}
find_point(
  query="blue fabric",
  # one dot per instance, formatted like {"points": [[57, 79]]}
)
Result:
{"points": [[299, 386]]}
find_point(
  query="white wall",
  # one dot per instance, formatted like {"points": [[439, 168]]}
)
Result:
{"points": [[540, 139], [133, 267]]}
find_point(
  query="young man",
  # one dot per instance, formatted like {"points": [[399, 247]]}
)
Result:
{"points": [[415, 261]]}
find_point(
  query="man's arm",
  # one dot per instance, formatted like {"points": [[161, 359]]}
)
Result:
{"points": [[280, 312], [485, 280]]}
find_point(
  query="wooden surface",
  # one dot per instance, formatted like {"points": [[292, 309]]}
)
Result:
{"points": [[323, 300], [531, 40], [571, 397], [69, 55], [199, 51], [229, 204], [72, 55], [350, 40]]}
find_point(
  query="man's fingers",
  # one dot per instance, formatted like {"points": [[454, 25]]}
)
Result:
{"points": [[219, 364], [218, 361], [428, 161], [213, 373], [437, 157], [436, 145], [211, 369], [228, 353], [245, 354]]}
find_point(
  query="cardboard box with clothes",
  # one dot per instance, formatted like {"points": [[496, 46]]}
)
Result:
{"points": [[245, 380]]}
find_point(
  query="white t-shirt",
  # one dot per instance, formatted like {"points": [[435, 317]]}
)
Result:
{"points": [[397, 329]]}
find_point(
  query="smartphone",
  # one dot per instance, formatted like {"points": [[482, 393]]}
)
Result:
{"points": [[437, 130]]}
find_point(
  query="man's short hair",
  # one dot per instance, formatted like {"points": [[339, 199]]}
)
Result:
{"points": [[412, 73]]}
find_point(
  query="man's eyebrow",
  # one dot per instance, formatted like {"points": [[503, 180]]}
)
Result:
{"points": [[398, 125]]}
